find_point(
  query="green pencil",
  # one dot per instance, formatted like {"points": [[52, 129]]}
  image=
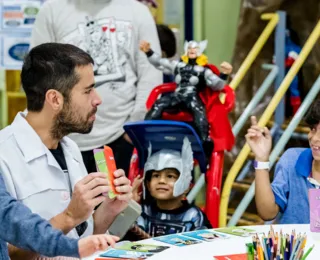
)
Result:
{"points": [[250, 251], [307, 253]]}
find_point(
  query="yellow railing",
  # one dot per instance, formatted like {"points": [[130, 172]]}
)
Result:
{"points": [[237, 165], [245, 66]]}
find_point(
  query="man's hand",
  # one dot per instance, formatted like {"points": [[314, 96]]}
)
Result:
{"points": [[123, 186], [136, 193], [86, 196], [145, 46], [91, 244], [226, 68], [260, 141], [110, 208]]}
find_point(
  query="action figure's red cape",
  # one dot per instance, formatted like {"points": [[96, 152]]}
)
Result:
{"points": [[217, 114]]}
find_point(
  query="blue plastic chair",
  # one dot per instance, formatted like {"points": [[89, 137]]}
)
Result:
{"points": [[164, 134]]}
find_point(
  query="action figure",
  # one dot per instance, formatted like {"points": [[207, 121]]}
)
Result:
{"points": [[192, 75], [292, 52]]}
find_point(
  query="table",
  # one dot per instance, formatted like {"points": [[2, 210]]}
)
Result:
{"points": [[233, 245]]}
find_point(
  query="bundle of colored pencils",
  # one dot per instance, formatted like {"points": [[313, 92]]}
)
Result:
{"points": [[278, 247]]}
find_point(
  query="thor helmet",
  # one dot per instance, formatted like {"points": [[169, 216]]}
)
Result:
{"points": [[201, 46], [167, 158]]}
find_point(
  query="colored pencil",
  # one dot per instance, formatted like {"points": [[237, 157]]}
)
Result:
{"points": [[307, 253], [279, 246]]}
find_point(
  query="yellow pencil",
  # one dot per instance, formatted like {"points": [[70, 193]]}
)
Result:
{"points": [[304, 241], [260, 253]]}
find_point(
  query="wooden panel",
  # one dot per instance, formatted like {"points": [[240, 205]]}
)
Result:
{"points": [[15, 105], [16, 101]]}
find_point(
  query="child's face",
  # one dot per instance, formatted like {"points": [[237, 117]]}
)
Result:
{"points": [[314, 141], [161, 184]]}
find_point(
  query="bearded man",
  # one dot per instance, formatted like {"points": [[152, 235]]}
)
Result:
{"points": [[42, 167]]}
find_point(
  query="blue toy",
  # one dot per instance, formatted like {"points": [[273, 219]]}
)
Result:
{"points": [[292, 51]]}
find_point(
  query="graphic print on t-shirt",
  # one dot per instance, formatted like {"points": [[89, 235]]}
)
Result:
{"points": [[107, 41], [160, 228]]}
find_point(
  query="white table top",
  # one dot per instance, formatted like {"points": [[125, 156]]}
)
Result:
{"points": [[232, 245]]}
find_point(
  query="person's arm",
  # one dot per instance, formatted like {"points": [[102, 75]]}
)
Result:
{"points": [[20, 227], [87, 246], [85, 198], [103, 219], [260, 141], [264, 196], [43, 29], [137, 188], [148, 76], [63, 222], [110, 208]]}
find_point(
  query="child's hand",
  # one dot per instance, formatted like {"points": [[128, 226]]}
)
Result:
{"points": [[260, 141], [91, 244], [136, 194]]}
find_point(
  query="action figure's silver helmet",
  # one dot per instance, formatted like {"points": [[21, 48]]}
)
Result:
{"points": [[201, 46], [182, 162]]}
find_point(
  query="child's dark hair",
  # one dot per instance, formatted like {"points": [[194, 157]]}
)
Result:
{"points": [[167, 40], [313, 116]]}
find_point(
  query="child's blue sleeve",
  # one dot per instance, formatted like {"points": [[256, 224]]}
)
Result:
{"points": [[280, 184], [20, 227], [141, 222], [200, 220]]}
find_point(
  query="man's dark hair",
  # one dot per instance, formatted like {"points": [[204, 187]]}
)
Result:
{"points": [[51, 66], [167, 40], [313, 116]]}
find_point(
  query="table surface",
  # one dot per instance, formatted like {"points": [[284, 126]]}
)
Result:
{"points": [[232, 245]]}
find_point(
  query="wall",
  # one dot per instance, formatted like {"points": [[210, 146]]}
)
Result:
{"points": [[216, 21]]}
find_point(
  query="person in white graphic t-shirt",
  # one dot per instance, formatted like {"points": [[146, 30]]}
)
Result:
{"points": [[110, 31]]}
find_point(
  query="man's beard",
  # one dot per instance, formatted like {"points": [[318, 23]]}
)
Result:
{"points": [[68, 121]]}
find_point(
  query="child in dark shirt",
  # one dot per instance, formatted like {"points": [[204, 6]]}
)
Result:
{"points": [[168, 174]]}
